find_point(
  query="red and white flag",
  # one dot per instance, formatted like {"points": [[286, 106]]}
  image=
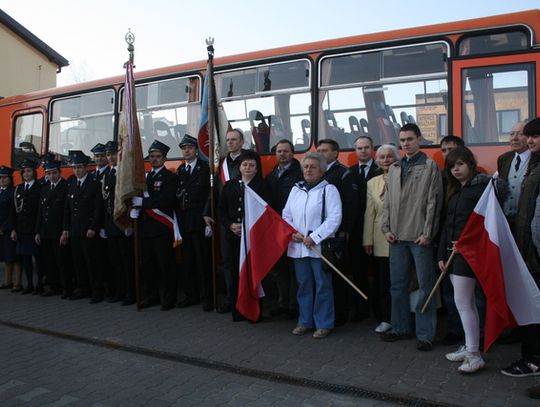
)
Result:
{"points": [[487, 245], [265, 237]]}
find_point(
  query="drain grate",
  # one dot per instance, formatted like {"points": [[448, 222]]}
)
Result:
{"points": [[353, 391]]}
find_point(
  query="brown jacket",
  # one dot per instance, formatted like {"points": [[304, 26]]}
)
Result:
{"points": [[412, 207]]}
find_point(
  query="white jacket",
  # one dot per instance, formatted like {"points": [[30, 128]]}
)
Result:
{"points": [[303, 212]]}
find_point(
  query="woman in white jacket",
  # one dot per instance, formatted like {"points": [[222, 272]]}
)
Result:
{"points": [[303, 211]]}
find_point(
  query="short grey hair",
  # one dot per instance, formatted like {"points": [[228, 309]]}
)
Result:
{"points": [[393, 149], [317, 157]]}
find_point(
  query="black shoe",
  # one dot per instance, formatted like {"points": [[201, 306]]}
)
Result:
{"points": [[166, 307], [95, 300], [237, 317], [145, 304], [112, 300], [224, 309], [393, 336], [6, 286], [28, 290], [128, 301], [522, 368], [452, 339], [16, 289], [48, 293], [185, 303], [534, 392], [78, 295], [424, 346]]}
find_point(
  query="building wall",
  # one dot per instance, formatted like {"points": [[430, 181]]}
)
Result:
{"points": [[22, 68]]}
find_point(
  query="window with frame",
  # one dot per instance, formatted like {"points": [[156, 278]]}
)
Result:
{"points": [[80, 122], [268, 103], [490, 90], [167, 110], [374, 93], [493, 43], [27, 138]]}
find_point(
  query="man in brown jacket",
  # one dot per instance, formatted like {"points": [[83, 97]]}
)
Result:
{"points": [[412, 204]]}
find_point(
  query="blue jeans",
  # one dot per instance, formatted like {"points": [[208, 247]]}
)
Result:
{"points": [[402, 256], [315, 296]]}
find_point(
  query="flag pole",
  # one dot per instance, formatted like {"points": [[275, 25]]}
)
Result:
{"points": [[343, 276], [439, 280], [211, 126], [130, 39]]}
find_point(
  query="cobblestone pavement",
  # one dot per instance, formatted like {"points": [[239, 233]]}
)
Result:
{"points": [[180, 354]]}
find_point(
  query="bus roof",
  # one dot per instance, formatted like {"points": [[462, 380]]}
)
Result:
{"points": [[529, 18]]}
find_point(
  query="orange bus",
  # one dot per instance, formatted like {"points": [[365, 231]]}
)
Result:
{"points": [[472, 78]]}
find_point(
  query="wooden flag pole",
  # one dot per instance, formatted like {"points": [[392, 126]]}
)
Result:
{"points": [[439, 280], [343, 276], [137, 262]]}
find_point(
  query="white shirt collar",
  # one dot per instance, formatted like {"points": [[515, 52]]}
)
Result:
{"points": [[156, 170], [29, 184], [81, 180], [192, 164], [330, 165], [524, 155]]}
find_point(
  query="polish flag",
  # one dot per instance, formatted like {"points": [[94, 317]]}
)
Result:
{"points": [[265, 237], [487, 245]]}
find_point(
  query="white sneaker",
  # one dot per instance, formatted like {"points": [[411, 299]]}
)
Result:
{"points": [[459, 355], [383, 327], [472, 363]]}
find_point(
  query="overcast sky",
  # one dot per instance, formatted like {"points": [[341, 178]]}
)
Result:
{"points": [[90, 34]]}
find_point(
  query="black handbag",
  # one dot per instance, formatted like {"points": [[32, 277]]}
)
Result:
{"points": [[333, 248]]}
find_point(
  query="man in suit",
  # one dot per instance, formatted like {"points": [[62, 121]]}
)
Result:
{"points": [[363, 171], [512, 167], [191, 200], [82, 221], [120, 278], [342, 178], [49, 230], [229, 170], [281, 180], [100, 158], [157, 236]]}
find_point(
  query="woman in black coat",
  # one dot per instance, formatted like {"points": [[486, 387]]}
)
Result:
{"points": [[231, 215], [8, 253], [23, 221], [464, 189]]}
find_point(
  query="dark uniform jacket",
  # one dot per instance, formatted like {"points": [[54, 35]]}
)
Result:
{"points": [[107, 191], [24, 211], [83, 209], [192, 195], [100, 176], [52, 203], [361, 182], [280, 187], [527, 204], [161, 189], [231, 202], [6, 204], [342, 178]]}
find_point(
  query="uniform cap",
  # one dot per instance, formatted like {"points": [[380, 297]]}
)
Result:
{"points": [[98, 148], [77, 157], [159, 146], [188, 140]]}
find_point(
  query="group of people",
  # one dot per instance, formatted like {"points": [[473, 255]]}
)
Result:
{"points": [[392, 222]]}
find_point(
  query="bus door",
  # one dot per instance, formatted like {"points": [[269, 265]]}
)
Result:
{"points": [[491, 94], [29, 135]]}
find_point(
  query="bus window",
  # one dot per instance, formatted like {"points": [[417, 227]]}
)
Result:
{"points": [[80, 122], [495, 98], [167, 110], [268, 103], [493, 43], [375, 93], [27, 138]]}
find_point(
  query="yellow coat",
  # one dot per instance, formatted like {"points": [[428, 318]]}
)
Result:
{"points": [[373, 236]]}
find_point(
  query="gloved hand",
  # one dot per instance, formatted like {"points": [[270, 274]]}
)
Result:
{"points": [[128, 232], [134, 213], [208, 232], [102, 234]]}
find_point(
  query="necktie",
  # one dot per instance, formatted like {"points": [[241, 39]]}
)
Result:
{"points": [[363, 171], [26, 186], [152, 173], [52, 187], [518, 161], [79, 183], [188, 169]]}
